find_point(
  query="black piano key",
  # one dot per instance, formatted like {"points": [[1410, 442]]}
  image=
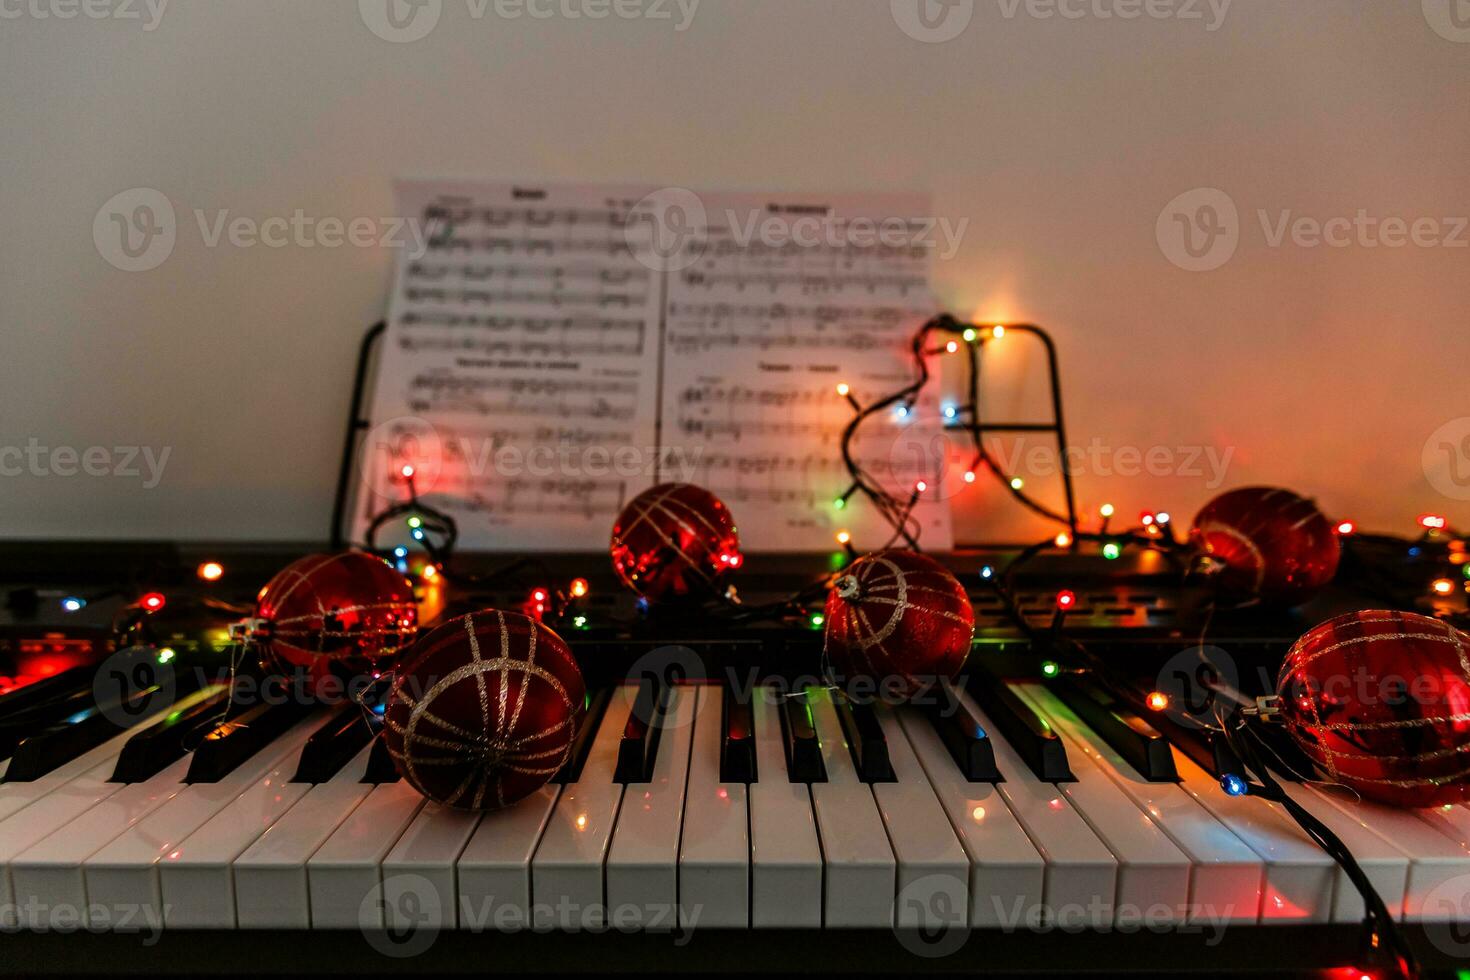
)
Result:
{"points": [[865, 740], [571, 771], [737, 741], [641, 735], [1026, 731], [58, 687], [239, 738], [97, 722], [380, 767], [152, 750], [1140, 744], [803, 748], [334, 744], [1205, 748], [961, 732]]}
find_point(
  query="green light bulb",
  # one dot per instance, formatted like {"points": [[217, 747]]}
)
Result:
{"points": [[1050, 669], [1111, 551]]}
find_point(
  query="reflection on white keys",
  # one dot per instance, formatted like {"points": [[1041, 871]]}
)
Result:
{"points": [[1006, 871], [861, 870], [1226, 876], [714, 853], [785, 855], [271, 890]]}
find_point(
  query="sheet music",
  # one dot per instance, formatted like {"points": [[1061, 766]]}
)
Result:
{"points": [[559, 348], [789, 296]]}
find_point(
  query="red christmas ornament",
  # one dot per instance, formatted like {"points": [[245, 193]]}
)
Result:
{"points": [[485, 710], [898, 619], [349, 608], [673, 540], [1272, 544], [1380, 701]]}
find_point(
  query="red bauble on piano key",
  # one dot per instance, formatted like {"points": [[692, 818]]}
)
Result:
{"points": [[1273, 545], [898, 620], [484, 710], [1380, 701], [675, 540], [350, 609]]}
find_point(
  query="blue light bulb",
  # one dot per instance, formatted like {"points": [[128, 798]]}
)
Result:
{"points": [[1233, 785]]}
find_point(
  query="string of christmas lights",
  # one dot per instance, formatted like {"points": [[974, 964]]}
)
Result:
{"points": [[966, 416]]}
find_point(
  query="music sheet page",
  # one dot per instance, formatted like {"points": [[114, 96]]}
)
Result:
{"points": [[558, 348]]}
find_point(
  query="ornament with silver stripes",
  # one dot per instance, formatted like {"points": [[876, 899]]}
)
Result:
{"points": [[1380, 702], [349, 610], [484, 710], [1266, 544]]}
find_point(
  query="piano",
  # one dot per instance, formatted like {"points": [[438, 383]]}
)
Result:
{"points": [[721, 813]]}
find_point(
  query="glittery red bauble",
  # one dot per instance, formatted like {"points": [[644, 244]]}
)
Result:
{"points": [[350, 608], [1380, 701], [1273, 544], [900, 620], [674, 539], [484, 711]]}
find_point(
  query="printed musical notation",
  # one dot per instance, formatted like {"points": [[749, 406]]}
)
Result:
{"points": [[563, 362]]}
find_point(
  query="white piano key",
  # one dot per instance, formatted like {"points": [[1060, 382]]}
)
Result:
{"points": [[1300, 876], [1153, 873], [196, 879], [1386, 866], [495, 869], [643, 856], [1226, 875], [124, 875], [1007, 873], [567, 869], [271, 890], [47, 877], [714, 854], [933, 869], [418, 874], [1438, 884], [17, 796], [344, 876], [785, 852], [1081, 873], [861, 870], [29, 826]]}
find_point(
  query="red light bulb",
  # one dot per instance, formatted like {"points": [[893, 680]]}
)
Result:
{"points": [[1066, 599], [153, 601]]}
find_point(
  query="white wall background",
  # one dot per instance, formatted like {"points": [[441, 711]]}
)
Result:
{"points": [[1061, 139]]}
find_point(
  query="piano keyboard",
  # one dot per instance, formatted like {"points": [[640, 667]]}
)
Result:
{"points": [[769, 812]]}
